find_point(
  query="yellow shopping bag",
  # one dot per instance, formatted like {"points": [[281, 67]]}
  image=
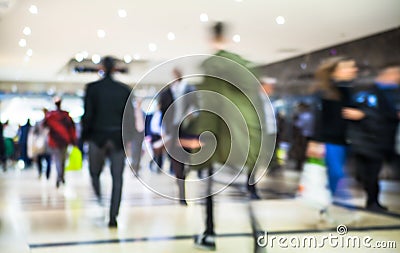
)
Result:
{"points": [[74, 162]]}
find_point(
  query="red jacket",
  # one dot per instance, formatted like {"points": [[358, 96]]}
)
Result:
{"points": [[62, 129]]}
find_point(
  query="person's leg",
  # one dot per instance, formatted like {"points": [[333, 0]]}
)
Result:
{"points": [[63, 160], [302, 153], [57, 157], [136, 147], [207, 239], [178, 156], [369, 168], [209, 206], [39, 164], [96, 162], [158, 158], [252, 187], [117, 158], [335, 158], [47, 158], [179, 169]]}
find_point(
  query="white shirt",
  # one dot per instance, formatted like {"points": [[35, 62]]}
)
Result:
{"points": [[155, 123]]}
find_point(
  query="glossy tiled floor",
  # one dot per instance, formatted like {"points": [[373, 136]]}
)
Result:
{"points": [[37, 217]]}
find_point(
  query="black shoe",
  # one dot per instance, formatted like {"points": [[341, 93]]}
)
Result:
{"points": [[253, 192], [254, 196], [205, 242], [376, 207], [112, 223], [58, 184], [183, 202]]}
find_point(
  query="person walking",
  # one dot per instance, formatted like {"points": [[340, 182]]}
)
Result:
{"points": [[61, 134], [229, 97], [102, 124], [373, 130], [333, 89]]}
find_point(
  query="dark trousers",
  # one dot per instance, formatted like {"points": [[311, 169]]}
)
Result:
{"points": [[46, 157], [97, 157], [24, 154], [368, 169], [136, 149], [59, 157], [177, 157], [157, 154], [179, 170], [209, 206]]}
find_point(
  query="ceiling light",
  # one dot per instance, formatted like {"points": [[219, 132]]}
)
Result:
{"points": [[127, 58], [101, 33], [136, 57], [280, 20], [29, 52], [22, 43], [203, 17], [171, 36], [33, 9], [122, 13], [96, 58], [85, 54], [236, 38], [27, 31], [152, 47], [79, 57]]}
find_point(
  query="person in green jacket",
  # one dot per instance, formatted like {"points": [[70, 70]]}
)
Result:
{"points": [[231, 123]]}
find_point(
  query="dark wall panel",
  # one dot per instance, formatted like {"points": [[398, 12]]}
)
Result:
{"points": [[294, 75]]}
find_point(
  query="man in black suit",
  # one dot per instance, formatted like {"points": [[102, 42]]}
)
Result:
{"points": [[102, 122]]}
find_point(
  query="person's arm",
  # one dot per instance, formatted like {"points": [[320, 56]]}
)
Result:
{"points": [[353, 114], [88, 114]]}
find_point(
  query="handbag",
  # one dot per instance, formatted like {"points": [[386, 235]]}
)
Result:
{"points": [[74, 161], [313, 187]]}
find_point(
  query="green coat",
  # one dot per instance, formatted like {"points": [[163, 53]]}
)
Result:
{"points": [[238, 129]]}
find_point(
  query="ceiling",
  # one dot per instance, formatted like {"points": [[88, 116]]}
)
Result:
{"points": [[62, 28]]}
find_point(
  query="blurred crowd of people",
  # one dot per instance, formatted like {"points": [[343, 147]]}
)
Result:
{"points": [[343, 120]]}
